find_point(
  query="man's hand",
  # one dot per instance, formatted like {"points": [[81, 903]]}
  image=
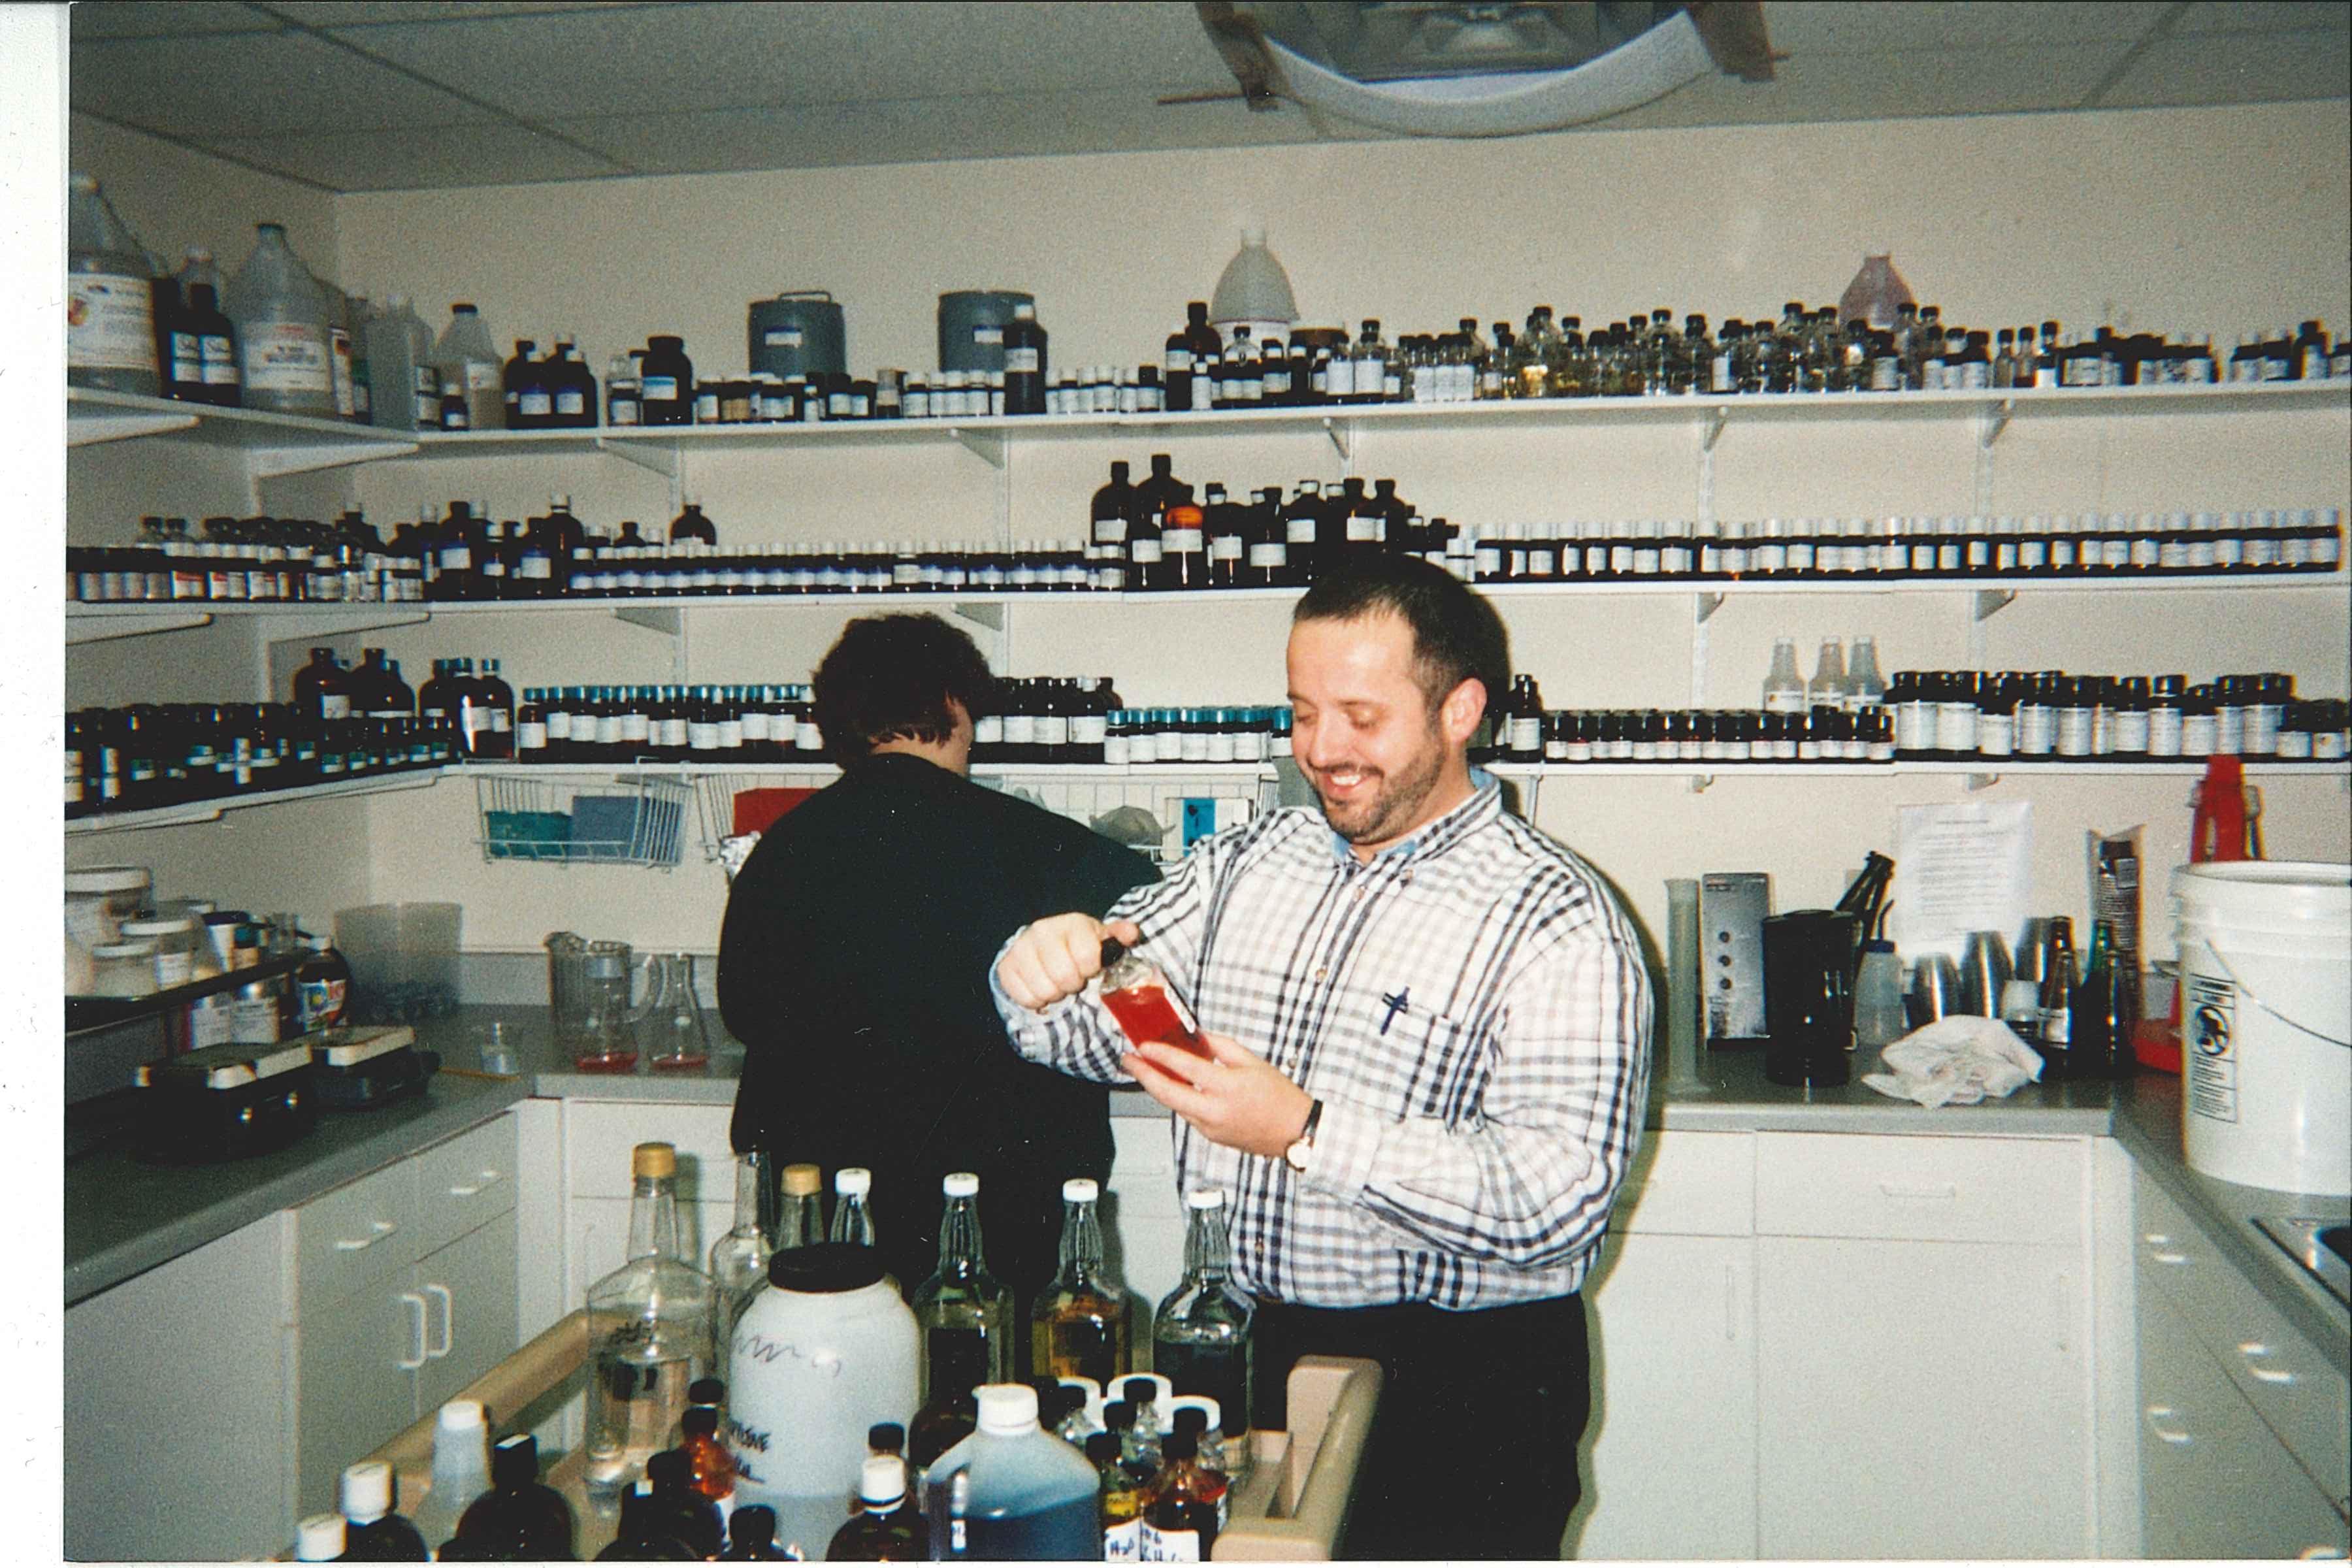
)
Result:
{"points": [[1056, 956], [1236, 1098]]}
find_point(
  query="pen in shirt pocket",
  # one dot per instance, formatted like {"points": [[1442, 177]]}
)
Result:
{"points": [[1400, 1002]]}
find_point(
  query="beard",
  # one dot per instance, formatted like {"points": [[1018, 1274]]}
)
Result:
{"points": [[1384, 806]]}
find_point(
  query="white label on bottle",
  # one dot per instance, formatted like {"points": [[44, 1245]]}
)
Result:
{"points": [[659, 389], [1021, 729], [1301, 529], [1110, 529], [2132, 729], [1181, 541], [1225, 547], [1020, 360], [335, 706], [1526, 736], [218, 357], [1054, 730], [1340, 377], [288, 357], [535, 403], [2074, 736], [481, 375], [782, 337], [1143, 551], [457, 558], [988, 336], [1276, 555], [109, 323], [1362, 528], [532, 737]]}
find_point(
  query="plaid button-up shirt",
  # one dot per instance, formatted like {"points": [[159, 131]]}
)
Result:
{"points": [[1472, 1009]]}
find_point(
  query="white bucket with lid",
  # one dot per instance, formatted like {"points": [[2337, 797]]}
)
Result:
{"points": [[2266, 1023]]}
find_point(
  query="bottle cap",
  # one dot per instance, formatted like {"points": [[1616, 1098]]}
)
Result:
{"points": [[654, 1159], [1007, 1408], [803, 1181], [1191, 1419], [463, 1415], [1102, 1447], [1081, 1190], [1139, 1390], [826, 1268], [1118, 1415], [754, 1524], [1205, 1198], [1179, 1446], [1202, 1406], [667, 1468], [514, 1460], [700, 1421], [886, 1436], [318, 1539], [852, 1181], [882, 1481], [367, 1491], [960, 1184], [705, 1391]]}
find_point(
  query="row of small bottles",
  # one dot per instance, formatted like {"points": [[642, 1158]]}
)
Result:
{"points": [[146, 755], [1967, 713]]}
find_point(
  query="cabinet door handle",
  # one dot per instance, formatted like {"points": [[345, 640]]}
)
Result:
{"points": [[486, 1180], [1943, 1193], [2254, 1351], [448, 1319], [381, 1229], [416, 1304], [2157, 1416]]}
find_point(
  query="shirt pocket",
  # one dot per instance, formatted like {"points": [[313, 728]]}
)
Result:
{"points": [[1436, 1063]]}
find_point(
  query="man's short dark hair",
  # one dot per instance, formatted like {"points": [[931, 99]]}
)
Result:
{"points": [[892, 677], [1456, 635]]}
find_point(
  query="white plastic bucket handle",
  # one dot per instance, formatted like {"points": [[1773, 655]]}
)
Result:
{"points": [[2248, 993]]}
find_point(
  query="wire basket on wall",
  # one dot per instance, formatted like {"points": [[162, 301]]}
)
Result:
{"points": [[627, 820]]}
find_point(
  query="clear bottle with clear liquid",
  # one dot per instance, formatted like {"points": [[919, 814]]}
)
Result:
{"points": [[650, 1334], [1083, 1323], [404, 388], [1828, 687], [1784, 688], [281, 317], [852, 1214], [1864, 686], [1201, 1337], [739, 1260], [799, 1219], [467, 358], [110, 297], [963, 1313]]}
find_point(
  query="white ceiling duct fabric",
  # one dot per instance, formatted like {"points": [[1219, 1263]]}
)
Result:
{"points": [[1510, 104]]}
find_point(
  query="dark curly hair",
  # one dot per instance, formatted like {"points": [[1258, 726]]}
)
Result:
{"points": [[892, 677]]}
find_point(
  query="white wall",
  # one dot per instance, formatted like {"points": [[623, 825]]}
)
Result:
{"points": [[2213, 220]]}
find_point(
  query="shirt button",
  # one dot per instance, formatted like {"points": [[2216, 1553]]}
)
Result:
{"points": [[1320, 972], [1359, 893]]}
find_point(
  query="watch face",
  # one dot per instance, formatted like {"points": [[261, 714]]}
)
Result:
{"points": [[1295, 1155]]}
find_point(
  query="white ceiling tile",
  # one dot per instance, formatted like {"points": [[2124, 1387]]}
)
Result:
{"points": [[2264, 17], [1884, 27], [2236, 68], [681, 57], [251, 85], [164, 19], [915, 131], [429, 158]]}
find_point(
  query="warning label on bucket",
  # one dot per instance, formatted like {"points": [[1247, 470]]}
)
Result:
{"points": [[2208, 1015]]}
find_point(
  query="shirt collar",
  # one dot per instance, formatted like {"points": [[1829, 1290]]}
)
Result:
{"points": [[1436, 837]]}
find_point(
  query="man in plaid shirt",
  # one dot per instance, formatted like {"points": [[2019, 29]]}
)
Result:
{"points": [[1428, 1027]]}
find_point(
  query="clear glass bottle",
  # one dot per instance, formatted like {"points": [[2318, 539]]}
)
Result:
{"points": [[1784, 688], [650, 1332], [1828, 687], [467, 361], [1083, 1323], [853, 1214], [110, 297], [280, 313], [405, 387], [800, 1218], [1864, 686], [1135, 994], [739, 1260], [1201, 1337], [963, 1311]]}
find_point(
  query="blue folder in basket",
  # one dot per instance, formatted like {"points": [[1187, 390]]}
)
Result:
{"points": [[625, 828]]}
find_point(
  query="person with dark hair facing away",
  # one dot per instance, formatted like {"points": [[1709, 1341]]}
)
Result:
{"points": [[1428, 1027], [854, 963]]}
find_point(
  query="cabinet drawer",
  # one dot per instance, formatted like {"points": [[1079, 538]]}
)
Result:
{"points": [[598, 1136], [352, 1237], [1921, 1189], [2287, 1380], [1690, 1184], [463, 1183]]}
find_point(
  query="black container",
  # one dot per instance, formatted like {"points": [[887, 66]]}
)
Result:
{"points": [[666, 392], [971, 327], [1808, 962], [798, 332]]}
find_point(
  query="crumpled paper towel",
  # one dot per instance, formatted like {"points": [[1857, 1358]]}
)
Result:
{"points": [[1957, 1060]]}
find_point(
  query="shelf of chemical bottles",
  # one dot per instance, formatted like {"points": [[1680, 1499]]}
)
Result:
{"points": [[1977, 773], [286, 443], [98, 622]]}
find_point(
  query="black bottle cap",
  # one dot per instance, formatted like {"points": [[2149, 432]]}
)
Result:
{"points": [[1102, 1447], [1119, 1414], [886, 1436], [1191, 1418], [1139, 1390], [828, 1268], [752, 1524], [1179, 1446], [701, 1421], [667, 1468], [1113, 950], [514, 1460]]}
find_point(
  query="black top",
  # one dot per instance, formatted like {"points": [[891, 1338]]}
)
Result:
{"points": [[854, 967]]}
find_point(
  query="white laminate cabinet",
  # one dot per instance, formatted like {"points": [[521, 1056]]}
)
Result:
{"points": [[176, 1429], [1144, 1218], [404, 1294], [2215, 1481]]}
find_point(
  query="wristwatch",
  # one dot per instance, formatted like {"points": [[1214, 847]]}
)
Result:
{"points": [[1295, 1155]]}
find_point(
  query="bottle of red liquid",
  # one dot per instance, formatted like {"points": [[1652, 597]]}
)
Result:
{"points": [[1139, 999]]}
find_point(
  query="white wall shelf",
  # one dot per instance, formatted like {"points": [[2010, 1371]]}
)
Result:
{"points": [[212, 810], [273, 443]]}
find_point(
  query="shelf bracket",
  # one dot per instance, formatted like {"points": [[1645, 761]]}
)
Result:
{"points": [[982, 615], [985, 445], [1343, 440], [666, 619], [278, 462], [1993, 421], [1712, 431], [1974, 782], [662, 460], [1699, 783], [1990, 602], [87, 429], [1703, 605], [93, 628]]}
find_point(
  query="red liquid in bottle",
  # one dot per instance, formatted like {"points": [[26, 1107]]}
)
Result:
{"points": [[1146, 1015], [606, 1061], [680, 1064]]}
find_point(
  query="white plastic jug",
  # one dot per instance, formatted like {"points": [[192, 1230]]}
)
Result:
{"points": [[823, 1353]]}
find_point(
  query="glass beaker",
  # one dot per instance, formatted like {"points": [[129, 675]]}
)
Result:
{"points": [[567, 987], [608, 1037], [681, 1042]]}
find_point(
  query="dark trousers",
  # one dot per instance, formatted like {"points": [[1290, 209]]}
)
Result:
{"points": [[1473, 1452]]}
